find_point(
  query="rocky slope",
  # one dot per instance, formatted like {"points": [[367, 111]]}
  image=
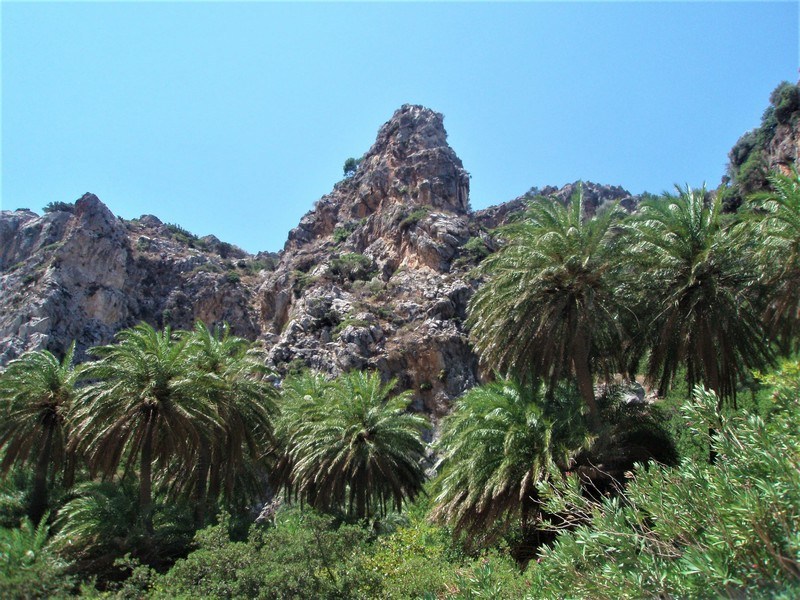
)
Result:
{"points": [[377, 275], [82, 274]]}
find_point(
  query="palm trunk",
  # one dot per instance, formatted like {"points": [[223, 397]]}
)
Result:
{"points": [[146, 475], [201, 486], [712, 381], [583, 373], [38, 505], [214, 485], [69, 469]]}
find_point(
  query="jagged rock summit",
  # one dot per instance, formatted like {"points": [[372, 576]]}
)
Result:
{"points": [[409, 165], [372, 276]]}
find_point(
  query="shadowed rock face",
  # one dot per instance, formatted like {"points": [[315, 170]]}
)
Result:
{"points": [[376, 276], [83, 274]]}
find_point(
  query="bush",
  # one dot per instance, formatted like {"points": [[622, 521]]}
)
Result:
{"points": [[28, 567], [342, 232], [731, 528], [786, 100], [413, 561], [301, 281], [304, 555], [179, 234], [414, 217], [59, 207], [351, 166], [351, 267]]}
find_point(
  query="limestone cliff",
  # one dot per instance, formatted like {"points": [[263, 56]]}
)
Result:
{"points": [[80, 273]]}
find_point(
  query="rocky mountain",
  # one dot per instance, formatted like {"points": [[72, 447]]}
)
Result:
{"points": [[772, 146], [80, 273], [377, 275]]}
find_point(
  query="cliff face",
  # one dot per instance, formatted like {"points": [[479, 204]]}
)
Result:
{"points": [[377, 275], [83, 274]]}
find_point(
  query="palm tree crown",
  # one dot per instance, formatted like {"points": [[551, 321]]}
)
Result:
{"points": [[549, 306], [501, 440], [37, 391], [700, 283], [231, 459], [778, 223], [147, 402], [351, 446]]}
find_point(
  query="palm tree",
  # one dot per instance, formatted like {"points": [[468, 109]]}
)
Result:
{"points": [[550, 305], [245, 401], [501, 440], [699, 279], [147, 402], [778, 225], [351, 446], [37, 392]]}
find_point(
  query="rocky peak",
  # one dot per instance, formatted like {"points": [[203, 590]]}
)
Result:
{"points": [[412, 149], [410, 166]]}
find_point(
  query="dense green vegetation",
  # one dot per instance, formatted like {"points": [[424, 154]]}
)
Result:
{"points": [[174, 464], [748, 170]]}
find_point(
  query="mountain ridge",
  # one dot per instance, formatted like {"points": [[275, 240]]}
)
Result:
{"points": [[377, 275]]}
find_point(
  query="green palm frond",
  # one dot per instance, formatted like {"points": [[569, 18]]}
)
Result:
{"points": [[777, 222], [147, 403], [37, 392], [501, 440], [551, 303], [350, 445], [699, 280]]}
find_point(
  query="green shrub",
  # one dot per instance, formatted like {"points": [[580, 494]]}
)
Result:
{"points": [[232, 277], [413, 561], [342, 232], [700, 530], [351, 267], [28, 566], [304, 555], [351, 166], [185, 237], [346, 322], [59, 207], [256, 265], [786, 100], [414, 217], [301, 281]]}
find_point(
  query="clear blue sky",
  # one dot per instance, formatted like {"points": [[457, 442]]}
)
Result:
{"points": [[233, 119]]}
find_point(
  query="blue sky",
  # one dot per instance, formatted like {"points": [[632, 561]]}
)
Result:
{"points": [[233, 119]]}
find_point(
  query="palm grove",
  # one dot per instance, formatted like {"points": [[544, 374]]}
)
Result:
{"points": [[166, 432]]}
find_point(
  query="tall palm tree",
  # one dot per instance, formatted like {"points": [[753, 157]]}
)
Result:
{"points": [[778, 225], [550, 305], [698, 276], [147, 402], [37, 391], [354, 447], [245, 401], [500, 441]]}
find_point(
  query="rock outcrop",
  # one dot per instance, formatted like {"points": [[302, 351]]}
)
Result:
{"points": [[83, 274], [376, 276]]}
